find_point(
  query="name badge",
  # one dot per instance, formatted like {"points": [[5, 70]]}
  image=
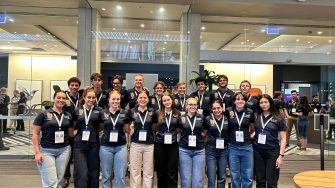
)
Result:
{"points": [[239, 136], [59, 137], [294, 110], [85, 135], [167, 138], [182, 112], [219, 143], [315, 110], [192, 141], [261, 138], [143, 136], [200, 111], [224, 106], [113, 136]]}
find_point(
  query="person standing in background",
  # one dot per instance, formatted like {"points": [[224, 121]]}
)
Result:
{"points": [[20, 111], [138, 88], [279, 103], [303, 111], [117, 85], [14, 104], [202, 96], [252, 101], [181, 97], [223, 93], [101, 99], [155, 99], [291, 109], [4, 102]]}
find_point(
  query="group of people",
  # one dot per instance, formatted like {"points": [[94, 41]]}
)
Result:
{"points": [[216, 129]]}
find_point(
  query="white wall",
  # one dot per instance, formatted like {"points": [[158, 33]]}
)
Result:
{"points": [[39, 67], [260, 75]]}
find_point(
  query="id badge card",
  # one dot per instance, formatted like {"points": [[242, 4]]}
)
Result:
{"points": [[113, 136], [261, 138], [182, 112], [143, 135], [192, 140], [315, 110], [219, 143], [167, 138], [59, 137], [85, 135], [200, 111], [239, 136], [224, 106], [294, 110]]}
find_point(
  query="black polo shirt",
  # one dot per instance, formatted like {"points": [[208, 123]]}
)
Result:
{"points": [[49, 126], [186, 130], [132, 97], [72, 102], [251, 103], [225, 97], [154, 103], [180, 102], [109, 127], [316, 107], [248, 119], [93, 124], [162, 128], [102, 99], [291, 104], [271, 131], [205, 105], [133, 116], [279, 104], [213, 133], [4, 102]]}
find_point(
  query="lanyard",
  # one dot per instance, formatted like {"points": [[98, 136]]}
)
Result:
{"points": [[59, 121], [145, 118], [201, 97], [98, 100], [239, 121], [168, 122], [182, 102], [87, 118], [222, 97], [114, 122], [75, 104], [158, 102], [217, 126], [266, 123], [192, 125], [249, 98]]}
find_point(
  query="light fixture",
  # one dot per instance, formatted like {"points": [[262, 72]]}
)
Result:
{"points": [[320, 32], [114, 28], [163, 48], [165, 42], [328, 53], [308, 42], [45, 45], [201, 36], [103, 9], [142, 25], [129, 41], [37, 35], [263, 30], [248, 40], [8, 42], [108, 55], [203, 28], [11, 19], [253, 43], [118, 7], [166, 36], [330, 41], [161, 9], [15, 32], [297, 40]]}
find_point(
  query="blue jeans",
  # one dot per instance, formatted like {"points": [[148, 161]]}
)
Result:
{"points": [[302, 126], [240, 157], [216, 161], [54, 164], [113, 157], [192, 166]]}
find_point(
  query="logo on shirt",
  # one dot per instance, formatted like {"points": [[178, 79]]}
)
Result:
{"points": [[49, 116], [153, 101], [132, 95], [81, 111], [68, 103], [183, 119], [212, 122], [231, 114], [176, 101]]}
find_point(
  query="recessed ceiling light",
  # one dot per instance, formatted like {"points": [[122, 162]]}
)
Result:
{"points": [[263, 30], [15, 32], [114, 28], [37, 35], [8, 42], [163, 48], [129, 41], [11, 19], [103, 9], [118, 7], [253, 43], [77, 21], [330, 41], [203, 28], [45, 45], [166, 36], [328, 53], [161, 9], [165, 42], [308, 42], [126, 34], [201, 36], [311, 46], [248, 40], [108, 55], [242, 43], [130, 46], [297, 40], [282, 46], [142, 25], [320, 32]]}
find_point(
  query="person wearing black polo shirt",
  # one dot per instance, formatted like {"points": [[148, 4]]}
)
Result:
{"points": [[166, 146], [181, 97], [216, 146], [117, 85], [155, 99], [4, 102], [192, 146], [113, 150], [292, 118], [134, 92], [240, 153], [279, 103], [268, 153], [86, 119], [252, 101], [52, 151], [303, 111], [142, 142], [223, 93], [97, 81], [204, 106]]}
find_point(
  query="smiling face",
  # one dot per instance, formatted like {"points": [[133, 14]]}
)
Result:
{"points": [[114, 100], [138, 81], [167, 101], [89, 98], [117, 84], [142, 99], [59, 100], [191, 105], [97, 82], [223, 82], [217, 109], [74, 87], [201, 86], [239, 101], [159, 89], [245, 87], [181, 89]]}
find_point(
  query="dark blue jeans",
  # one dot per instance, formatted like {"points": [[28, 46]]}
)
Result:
{"points": [[216, 161], [86, 165], [302, 126], [241, 160]]}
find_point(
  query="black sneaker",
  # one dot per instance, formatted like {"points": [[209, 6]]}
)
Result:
{"points": [[4, 148]]}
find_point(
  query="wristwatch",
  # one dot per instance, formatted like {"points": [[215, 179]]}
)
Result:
{"points": [[282, 155]]}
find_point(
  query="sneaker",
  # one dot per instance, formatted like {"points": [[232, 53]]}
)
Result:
{"points": [[3, 148]]}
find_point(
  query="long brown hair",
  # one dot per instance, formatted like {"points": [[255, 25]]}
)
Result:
{"points": [[273, 110], [161, 112]]}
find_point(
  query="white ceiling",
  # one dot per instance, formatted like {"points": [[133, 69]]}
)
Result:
{"points": [[230, 24]]}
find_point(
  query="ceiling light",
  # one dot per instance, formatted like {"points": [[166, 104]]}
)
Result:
{"points": [[165, 42], [142, 25], [242, 43], [126, 34], [248, 40], [263, 30], [297, 40], [11, 20], [330, 41], [203, 28], [118, 7], [8, 42], [129, 41], [282, 46], [45, 45], [151, 11], [130, 46], [308, 42], [201, 36], [166, 36], [163, 48], [311, 46], [114, 28], [328, 53], [319, 32], [15, 32], [37, 35], [246, 29], [103, 9], [161, 9], [253, 43]]}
